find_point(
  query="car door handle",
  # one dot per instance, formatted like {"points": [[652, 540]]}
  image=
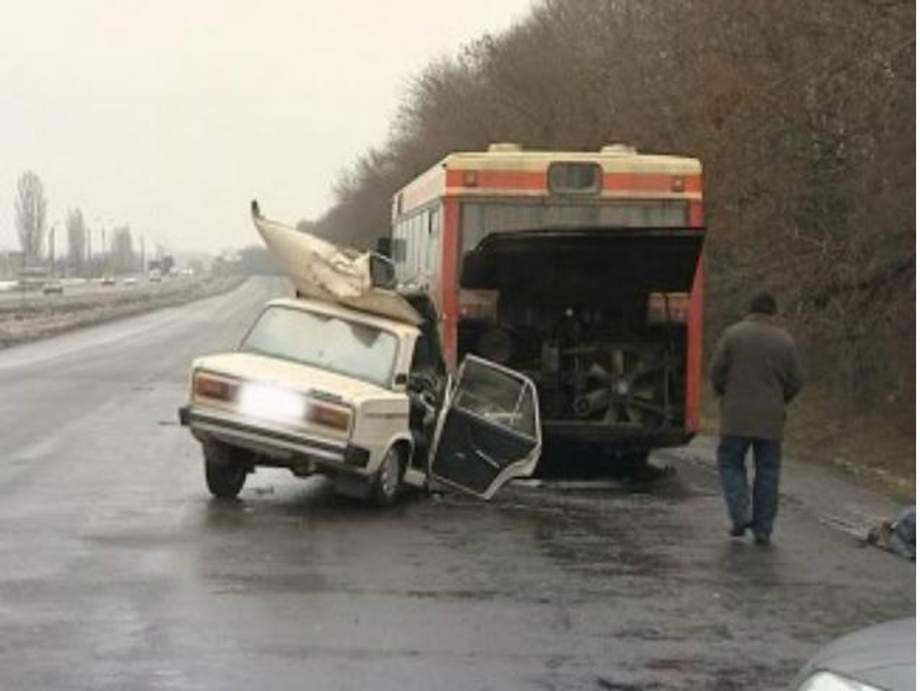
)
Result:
{"points": [[488, 459]]}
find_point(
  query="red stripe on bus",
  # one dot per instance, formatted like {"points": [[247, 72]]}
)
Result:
{"points": [[511, 179], [450, 281], [531, 180], [651, 182], [694, 365]]}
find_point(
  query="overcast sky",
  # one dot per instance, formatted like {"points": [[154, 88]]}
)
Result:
{"points": [[171, 115]]}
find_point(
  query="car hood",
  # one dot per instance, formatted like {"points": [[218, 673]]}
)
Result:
{"points": [[291, 375], [882, 655]]}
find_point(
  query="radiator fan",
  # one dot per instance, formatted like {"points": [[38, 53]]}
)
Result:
{"points": [[627, 384]]}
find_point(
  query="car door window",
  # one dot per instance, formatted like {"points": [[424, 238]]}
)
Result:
{"points": [[490, 430]]}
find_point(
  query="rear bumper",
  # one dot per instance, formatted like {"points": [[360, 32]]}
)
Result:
{"points": [[281, 444], [622, 436]]}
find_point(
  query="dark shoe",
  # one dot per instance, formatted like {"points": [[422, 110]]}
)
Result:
{"points": [[763, 540], [738, 531]]}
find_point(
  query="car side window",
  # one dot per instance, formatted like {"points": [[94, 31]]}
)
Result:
{"points": [[427, 356]]}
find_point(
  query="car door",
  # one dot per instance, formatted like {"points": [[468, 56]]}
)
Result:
{"points": [[489, 429]]}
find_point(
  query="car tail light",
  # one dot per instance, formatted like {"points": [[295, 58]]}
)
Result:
{"points": [[210, 387], [328, 417]]}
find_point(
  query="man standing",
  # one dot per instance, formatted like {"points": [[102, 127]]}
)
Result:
{"points": [[756, 372]]}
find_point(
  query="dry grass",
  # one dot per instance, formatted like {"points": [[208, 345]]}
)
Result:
{"points": [[876, 447]]}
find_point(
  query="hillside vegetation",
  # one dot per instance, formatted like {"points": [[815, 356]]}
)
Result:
{"points": [[803, 116]]}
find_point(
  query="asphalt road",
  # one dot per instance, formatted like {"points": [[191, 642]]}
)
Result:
{"points": [[117, 570]]}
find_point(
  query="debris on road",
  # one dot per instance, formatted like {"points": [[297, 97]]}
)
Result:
{"points": [[898, 536]]}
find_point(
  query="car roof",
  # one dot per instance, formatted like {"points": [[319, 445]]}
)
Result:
{"points": [[401, 329]]}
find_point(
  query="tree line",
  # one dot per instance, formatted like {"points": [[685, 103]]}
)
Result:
{"points": [[803, 116], [114, 253]]}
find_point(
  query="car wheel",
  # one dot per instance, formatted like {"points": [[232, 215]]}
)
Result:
{"points": [[224, 475], [386, 484]]}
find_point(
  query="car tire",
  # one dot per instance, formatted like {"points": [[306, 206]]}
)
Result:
{"points": [[385, 489], [224, 475]]}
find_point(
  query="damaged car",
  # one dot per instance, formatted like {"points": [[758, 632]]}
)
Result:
{"points": [[347, 380]]}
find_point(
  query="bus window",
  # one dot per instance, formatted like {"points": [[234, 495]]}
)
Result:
{"points": [[433, 260]]}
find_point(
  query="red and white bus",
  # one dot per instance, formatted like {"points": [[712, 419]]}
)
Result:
{"points": [[580, 269]]}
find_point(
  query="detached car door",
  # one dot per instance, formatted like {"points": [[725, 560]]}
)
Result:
{"points": [[489, 430]]}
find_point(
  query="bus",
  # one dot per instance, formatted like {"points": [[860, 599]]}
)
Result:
{"points": [[582, 270]]}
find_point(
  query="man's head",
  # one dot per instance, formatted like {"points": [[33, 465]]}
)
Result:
{"points": [[763, 303]]}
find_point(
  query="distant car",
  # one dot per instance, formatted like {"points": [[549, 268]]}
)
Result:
{"points": [[108, 280], [53, 288], [129, 281], [318, 387], [878, 658], [155, 277]]}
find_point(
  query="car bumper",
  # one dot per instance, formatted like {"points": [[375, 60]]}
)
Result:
{"points": [[256, 435]]}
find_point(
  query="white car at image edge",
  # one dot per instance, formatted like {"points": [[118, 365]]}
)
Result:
{"points": [[878, 658]]}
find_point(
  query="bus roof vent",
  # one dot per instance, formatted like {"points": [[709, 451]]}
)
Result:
{"points": [[504, 147], [619, 150]]}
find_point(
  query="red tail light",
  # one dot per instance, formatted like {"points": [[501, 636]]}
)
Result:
{"points": [[328, 417], [209, 387]]}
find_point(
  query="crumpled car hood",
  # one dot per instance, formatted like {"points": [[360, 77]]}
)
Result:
{"points": [[324, 271]]}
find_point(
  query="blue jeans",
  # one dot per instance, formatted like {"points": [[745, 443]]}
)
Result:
{"points": [[733, 473]]}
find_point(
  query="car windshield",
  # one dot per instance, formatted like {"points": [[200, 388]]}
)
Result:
{"points": [[331, 343]]}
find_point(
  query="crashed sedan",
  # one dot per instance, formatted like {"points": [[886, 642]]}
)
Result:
{"points": [[355, 389]]}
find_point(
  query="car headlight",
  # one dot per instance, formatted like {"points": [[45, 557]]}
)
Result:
{"points": [[828, 681]]}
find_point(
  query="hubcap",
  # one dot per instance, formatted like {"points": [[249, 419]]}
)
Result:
{"points": [[389, 473]]}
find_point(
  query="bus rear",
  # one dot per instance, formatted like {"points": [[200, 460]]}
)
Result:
{"points": [[579, 269]]}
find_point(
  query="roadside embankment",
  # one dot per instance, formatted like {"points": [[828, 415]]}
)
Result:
{"points": [[873, 447], [28, 317]]}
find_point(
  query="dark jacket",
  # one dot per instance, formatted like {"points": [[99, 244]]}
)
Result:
{"points": [[756, 372]]}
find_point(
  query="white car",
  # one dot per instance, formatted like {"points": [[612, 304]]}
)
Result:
{"points": [[878, 658], [320, 387]]}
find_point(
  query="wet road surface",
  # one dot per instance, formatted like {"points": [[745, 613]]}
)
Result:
{"points": [[117, 570]]}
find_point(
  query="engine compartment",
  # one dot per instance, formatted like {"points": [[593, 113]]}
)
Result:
{"points": [[597, 319]]}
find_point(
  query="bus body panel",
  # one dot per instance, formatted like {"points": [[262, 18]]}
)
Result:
{"points": [[461, 181]]}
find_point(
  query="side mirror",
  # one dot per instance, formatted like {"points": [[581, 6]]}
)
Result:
{"points": [[383, 272]]}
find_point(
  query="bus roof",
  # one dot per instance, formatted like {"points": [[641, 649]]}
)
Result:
{"points": [[509, 169]]}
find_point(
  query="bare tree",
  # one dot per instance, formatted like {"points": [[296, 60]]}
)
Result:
{"points": [[31, 211], [76, 240], [122, 249]]}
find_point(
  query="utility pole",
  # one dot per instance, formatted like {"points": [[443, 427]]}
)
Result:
{"points": [[52, 248], [143, 257]]}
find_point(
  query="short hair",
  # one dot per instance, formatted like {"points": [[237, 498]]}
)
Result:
{"points": [[763, 303]]}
